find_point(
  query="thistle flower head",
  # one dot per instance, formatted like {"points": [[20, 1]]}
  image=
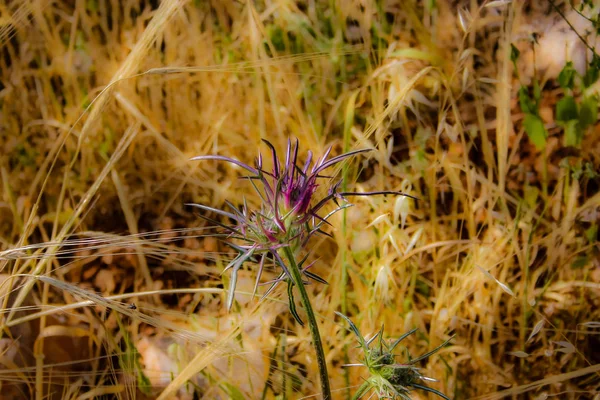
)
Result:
{"points": [[290, 211], [389, 379]]}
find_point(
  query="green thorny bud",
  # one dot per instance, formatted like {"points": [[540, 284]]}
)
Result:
{"points": [[289, 214], [389, 379]]}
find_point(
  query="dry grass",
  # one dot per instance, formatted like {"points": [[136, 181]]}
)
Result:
{"points": [[103, 102]]}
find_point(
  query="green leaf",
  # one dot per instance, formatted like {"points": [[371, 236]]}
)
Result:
{"points": [[566, 78], [534, 127], [526, 103], [277, 36], [531, 195], [573, 133], [580, 262], [514, 53], [537, 92], [592, 234], [292, 304], [566, 109], [143, 381], [426, 355], [363, 390], [354, 329], [315, 277], [233, 392], [130, 361], [588, 112], [430, 390], [591, 75], [92, 6], [401, 338], [576, 171], [589, 171]]}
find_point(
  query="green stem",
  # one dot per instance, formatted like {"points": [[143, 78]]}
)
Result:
{"points": [[362, 390], [312, 322]]}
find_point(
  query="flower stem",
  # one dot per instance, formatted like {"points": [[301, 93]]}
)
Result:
{"points": [[312, 322]]}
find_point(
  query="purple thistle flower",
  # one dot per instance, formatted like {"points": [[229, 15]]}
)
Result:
{"points": [[288, 216]]}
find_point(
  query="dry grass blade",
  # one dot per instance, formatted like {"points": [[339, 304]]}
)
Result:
{"points": [[502, 285], [536, 329], [521, 389]]}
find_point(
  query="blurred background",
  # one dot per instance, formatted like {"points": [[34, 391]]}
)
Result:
{"points": [[485, 110]]}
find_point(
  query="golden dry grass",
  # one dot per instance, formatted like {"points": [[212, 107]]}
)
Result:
{"points": [[103, 102]]}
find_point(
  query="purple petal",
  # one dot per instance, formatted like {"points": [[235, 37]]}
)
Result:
{"points": [[333, 189], [277, 219], [326, 154], [307, 162], [276, 166], [288, 153], [321, 160], [263, 229], [294, 161]]}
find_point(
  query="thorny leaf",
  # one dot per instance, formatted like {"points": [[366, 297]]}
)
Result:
{"points": [[361, 339], [292, 303], [388, 378]]}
